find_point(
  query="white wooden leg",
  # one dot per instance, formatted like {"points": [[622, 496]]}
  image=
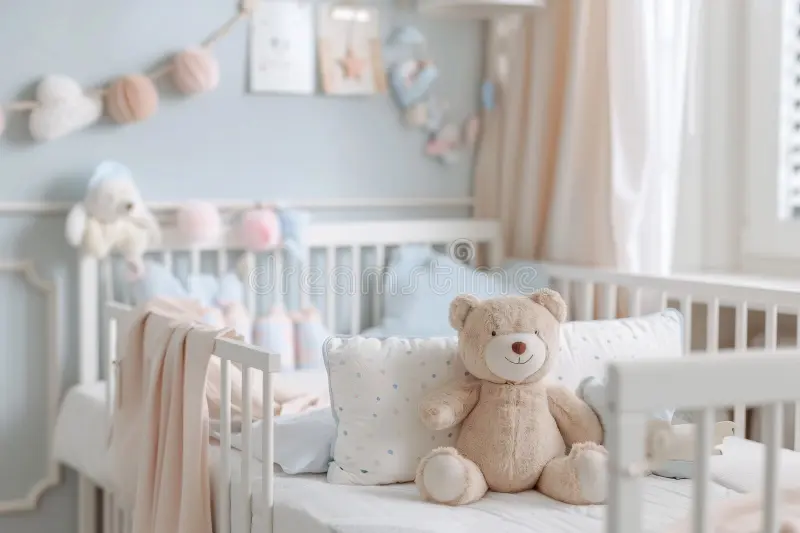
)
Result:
{"points": [[87, 506]]}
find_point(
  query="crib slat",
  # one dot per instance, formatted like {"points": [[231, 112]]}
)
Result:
{"points": [[609, 296], [355, 310], [712, 326], [686, 309], [167, 259], [223, 490], [277, 276], [108, 512], [304, 279], [796, 440], [267, 452], [771, 328], [111, 367], [249, 261], [565, 288], [625, 439], [222, 261], [585, 304], [247, 452], [380, 259], [634, 301], [702, 473], [773, 417], [195, 261], [739, 411], [330, 300]]}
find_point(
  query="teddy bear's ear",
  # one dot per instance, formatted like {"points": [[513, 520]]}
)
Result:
{"points": [[552, 301], [460, 308]]}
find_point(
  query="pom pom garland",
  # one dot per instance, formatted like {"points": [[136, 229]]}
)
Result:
{"points": [[260, 230], [132, 99], [199, 222], [195, 70]]}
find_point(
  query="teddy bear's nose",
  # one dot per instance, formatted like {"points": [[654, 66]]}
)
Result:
{"points": [[129, 206], [518, 348]]}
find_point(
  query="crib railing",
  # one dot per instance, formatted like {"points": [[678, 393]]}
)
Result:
{"points": [[603, 294], [765, 379], [250, 360]]}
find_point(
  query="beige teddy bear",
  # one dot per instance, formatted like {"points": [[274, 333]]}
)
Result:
{"points": [[519, 430]]}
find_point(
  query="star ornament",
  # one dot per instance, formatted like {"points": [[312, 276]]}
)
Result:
{"points": [[352, 66]]}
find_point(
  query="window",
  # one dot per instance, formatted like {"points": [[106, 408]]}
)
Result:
{"points": [[772, 130]]}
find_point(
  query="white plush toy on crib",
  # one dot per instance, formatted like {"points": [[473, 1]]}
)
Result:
{"points": [[112, 217]]}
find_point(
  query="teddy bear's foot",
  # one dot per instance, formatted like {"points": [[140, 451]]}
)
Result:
{"points": [[579, 478], [445, 476]]}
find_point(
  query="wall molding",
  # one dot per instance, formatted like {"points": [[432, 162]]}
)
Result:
{"points": [[30, 501], [61, 208]]}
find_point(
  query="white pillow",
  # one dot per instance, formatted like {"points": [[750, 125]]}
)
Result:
{"points": [[587, 346], [376, 386], [302, 442]]}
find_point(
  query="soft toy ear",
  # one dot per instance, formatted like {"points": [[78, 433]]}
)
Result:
{"points": [[75, 225], [460, 308], [552, 301], [109, 169]]}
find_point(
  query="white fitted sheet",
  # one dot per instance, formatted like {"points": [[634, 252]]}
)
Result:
{"points": [[309, 504]]}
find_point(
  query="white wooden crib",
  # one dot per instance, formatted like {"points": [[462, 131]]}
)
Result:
{"points": [[721, 310]]}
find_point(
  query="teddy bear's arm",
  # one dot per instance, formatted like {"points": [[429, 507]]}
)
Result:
{"points": [[576, 420], [450, 405]]}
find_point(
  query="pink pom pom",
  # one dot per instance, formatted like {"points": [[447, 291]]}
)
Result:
{"points": [[195, 70], [260, 229], [199, 222]]}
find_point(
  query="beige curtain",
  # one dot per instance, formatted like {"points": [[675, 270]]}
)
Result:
{"points": [[581, 158]]}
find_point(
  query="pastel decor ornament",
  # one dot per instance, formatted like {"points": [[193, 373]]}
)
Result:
{"points": [[412, 81], [294, 226], [63, 108], [311, 335], [199, 222], [195, 70], [132, 98], [260, 229], [275, 333]]}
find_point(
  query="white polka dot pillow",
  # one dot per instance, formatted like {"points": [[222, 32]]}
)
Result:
{"points": [[587, 346], [375, 388]]}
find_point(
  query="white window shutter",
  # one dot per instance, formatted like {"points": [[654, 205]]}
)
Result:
{"points": [[789, 204]]}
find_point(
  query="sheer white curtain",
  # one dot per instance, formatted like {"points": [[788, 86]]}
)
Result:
{"points": [[582, 158]]}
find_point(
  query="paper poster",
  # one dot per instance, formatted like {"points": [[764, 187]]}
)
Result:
{"points": [[282, 48], [349, 49]]}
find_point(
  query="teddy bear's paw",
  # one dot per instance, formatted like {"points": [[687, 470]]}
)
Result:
{"points": [[447, 477], [591, 467], [444, 478]]}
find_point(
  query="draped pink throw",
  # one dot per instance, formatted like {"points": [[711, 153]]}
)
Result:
{"points": [[161, 424]]}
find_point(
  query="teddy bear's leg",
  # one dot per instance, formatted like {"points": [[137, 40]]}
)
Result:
{"points": [[578, 478], [445, 476]]}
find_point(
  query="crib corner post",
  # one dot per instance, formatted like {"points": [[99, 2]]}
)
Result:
{"points": [[87, 505]]}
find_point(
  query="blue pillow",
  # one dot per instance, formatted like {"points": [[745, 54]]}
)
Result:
{"points": [[420, 283]]}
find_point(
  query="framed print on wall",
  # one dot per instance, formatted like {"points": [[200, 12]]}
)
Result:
{"points": [[282, 48]]}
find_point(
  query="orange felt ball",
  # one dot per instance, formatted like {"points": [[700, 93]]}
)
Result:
{"points": [[195, 70], [132, 99]]}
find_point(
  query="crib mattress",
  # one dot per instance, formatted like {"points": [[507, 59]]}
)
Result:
{"points": [[308, 504]]}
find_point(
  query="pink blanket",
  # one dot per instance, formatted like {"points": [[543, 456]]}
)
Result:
{"points": [[160, 425]]}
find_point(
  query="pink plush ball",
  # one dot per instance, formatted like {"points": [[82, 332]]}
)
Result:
{"points": [[195, 70], [260, 229], [199, 222]]}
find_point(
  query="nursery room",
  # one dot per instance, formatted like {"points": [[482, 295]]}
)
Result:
{"points": [[367, 266]]}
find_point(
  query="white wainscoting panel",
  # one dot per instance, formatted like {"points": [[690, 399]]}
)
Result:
{"points": [[29, 385]]}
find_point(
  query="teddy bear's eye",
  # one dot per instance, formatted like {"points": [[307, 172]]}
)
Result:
{"points": [[494, 333], [536, 332]]}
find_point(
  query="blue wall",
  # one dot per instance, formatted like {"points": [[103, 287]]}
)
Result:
{"points": [[224, 145]]}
